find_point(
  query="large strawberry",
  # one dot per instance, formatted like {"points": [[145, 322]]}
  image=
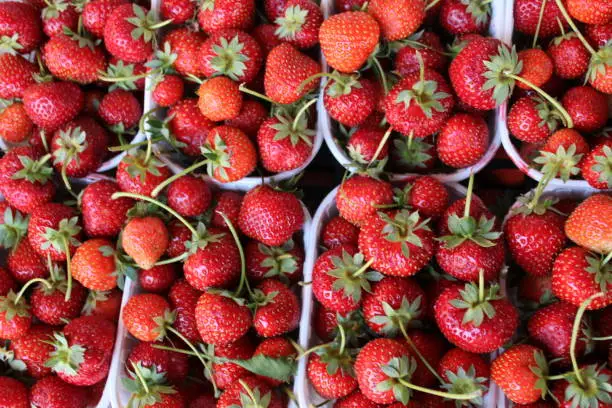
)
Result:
{"points": [[147, 317], [54, 230], [33, 350], [386, 11], [298, 23], [463, 17], [226, 373], [278, 309], [52, 392], [349, 99], [463, 371], [102, 216], [95, 265], [527, 15], [141, 174], [189, 126], [25, 264], [52, 304], [587, 107], [285, 73], [221, 319], [531, 119], [95, 13], [284, 262], [20, 27], [216, 15], [51, 104], [14, 393], [128, 32], [588, 226], [189, 196], [358, 198], [330, 371], [186, 45], [463, 140], [16, 75]]}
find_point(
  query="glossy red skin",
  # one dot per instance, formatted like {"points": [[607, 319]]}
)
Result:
{"points": [[7, 283], [511, 371], [365, 142], [489, 336], [135, 185], [225, 374], [252, 115], [587, 107], [286, 70], [330, 386], [456, 20], [25, 264], [598, 35], [51, 104], [524, 121], [281, 315], [221, 320], [477, 210], [308, 35], [118, 39], [463, 141], [183, 299], [322, 282], [139, 314], [32, 350], [275, 347], [352, 109], [241, 153], [16, 75], [179, 11], [339, 231], [52, 309], [107, 309], [66, 18], [52, 392], [95, 14], [174, 365], [189, 196], [533, 288], [49, 216], [189, 125], [92, 332], [457, 358], [527, 14], [14, 328], [358, 197], [68, 61], [169, 91], [231, 396], [428, 196], [280, 155], [179, 235], [229, 204], [356, 400], [157, 279], [21, 19], [254, 258], [14, 393], [103, 217], [589, 160], [467, 259], [432, 346], [186, 45], [227, 14], [368, 367], [406, 61], [412, 119], [325, 323], [120, 107], [570, 58]]}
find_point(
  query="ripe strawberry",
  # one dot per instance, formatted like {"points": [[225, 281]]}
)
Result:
{"points": [[596, 12], [531, 119], [476, 209], [349, 99], [521, 373], [282, 212], [265, 35], [157, 279], [96, 13], [189, 126], [534, 291], [25, 264], [537, 67], [221, 319], [183, 299], [458, 17], [224, 374], [145, 240], [137, 175], [400, 243], [339, 231], [600, 70], [427, 195], [219, 99], [179, 235], [118, 38], [596, 166], [168, 91], [15, 74], [94, 265], [298, 23], [179, 11], [359, 196], [570, 57], [230, 152], [174, 365], [386, 11], [146, 316], [475, 323], [566, 138], [120, 109], [216, 15], [150, 389], [275, 347], [356, 400], [284, 262], [106, 304], [527, 15], [286, 70], [189, 196], [51, 104], [229, 204], [331, 373], [54, 230], [249, 391], [102, 216], [284, 144], [588, 227], [20, 23], [406, 60], [15, 319], [6, 282], [251, 117], [186, 45], [15, 124], [356, 47], [52, 392], [77, 147], [598, 35], [57, 15], [587, 108], [278, 310], [459, 368], [598, 378], [419, 104], [13, 394], [49, 304], [33, 350], [463, 140]]}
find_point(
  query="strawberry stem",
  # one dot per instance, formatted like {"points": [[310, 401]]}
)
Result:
{"points": [[243, 279], [558, 376], [606, 259], [68, 272], [574, 338], [140, 377], [364, 268], [178, 175], [28, 284], [256, 94], [418, 44], [294, 125], [160, 24], [472, 395], [481, 286], [177, 258], [180, 351], [606, 338], [574, 28], [342, 338], [468, 197], [540, 17], [381, 145], [418, 353], [123, 148], [330, 75]]}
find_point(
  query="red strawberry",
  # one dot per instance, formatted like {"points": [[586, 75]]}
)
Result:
{"points": [[463, 371], [359, 196], [94, 265], [232, 53], [400, 243], [189, 126], [566, 138], [596, 166], [286, 70], [121, 38], [275, 347], [463, 140], [428, 46], [137, 175], [52, 392], [531, 119], [146, 317], [535, 290], [179, 235], [219, 99], [596, 12], [386, 12], [95, 13], [13, 394], [15, 124], [106, 304], [278, 310], [174, 365], [150, 389], [33, 350], [16, 74], [103, 217], [6, 282], [520, 372], [51, 104], [179, 11], [570, 57], [282, 212], [120, 109], [222, 14], [251, 117], [189, 196], [537, 67], [263, 261], [227, 203], [54, 230], [15, 319], [458, 17], [221, 319], [25, 264], [186, 45], [298, 23], [598, 378], [331, 373], [588, 227], [473, 322], [49, 304], [356, 400], [168, 91], [587, 108], [233, 155], [599, 34], [427, 195], [339, 231], [183, 299], [57, 15], [527, 14], [145, 240], [265, 35], [225, 373], [600, 72], [249, 391], [349, 99], [20, 24]]}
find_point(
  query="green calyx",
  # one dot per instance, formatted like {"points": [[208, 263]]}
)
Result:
{"points": [[58, 282], [476, 303], [121, 75], [229, 60], [354, 328], [562, 163], [398, 368], [603, 166], [53, 9], [296, 131], [139, 166], [530, 203], [123, 267], [467, 228], [480, 10], [252, 398], [565, 36], [34, 171], [164, 60], [146, 386], [65, 359], [82, 40], [163, 322], [425, 94], [352, 275], [71, 142], [335, 357], [13, 229], [403, 316], [202, 239], [595, 392], [208, 5], [279, 262], [549, 115], [601, 271], [465, 382], [10, 44], [260, 299], [600, 62], [541, 371], [11, 306], [218, 157], [92, 300], [62, 237], [342, 84], [290, 24], [401, 229], [145, 24], [411, 153], [499, 67]]}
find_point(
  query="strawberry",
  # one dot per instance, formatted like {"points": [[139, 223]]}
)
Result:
{"points": [[21, 27], [339, 231], [54, 231], [179, 11], [406, 60], [168, 91], [6, 283], [140, 175], [359, 196], [598, 35], [129, 31], [399, 243], [600, 71], [148, 388], [596, 166], [285, 72], [331, 373], [566, 138], [16, 74], [249, 391], [104, 304], [298, 23], [49, 304], [569, 56], [157, 279], [274, 8], [226, 373], [270, 216], [587, 226], [521, 373], [278, 310], [13, 394], [587, 108], [252, 115], [345, 49], [534, 291], [189, 196], [459, 368], [120, 109], [427, 195], [94, 265], [229, 204], [349, 99], [145, 239], [25, 264], [356, 400], [183, 299], [419, 104], [476, 209], [146, 316], [265, 35], [537, 67], [221, 319], [57, 15], [463, 140], [216, 15], [33, 350], [96, 13], [15, 124], [15, 319], [213, 261], [385, 12], [179, 235], [52, 392], [189, 126], [174, 365], [102, 216], [219, 99], [598, 393], [230, 154], [51, 104], [527, 15], [476, 322], [458, 17], [596, 12], [186, 45], [275, 347], [531, 119], [263, 261]]}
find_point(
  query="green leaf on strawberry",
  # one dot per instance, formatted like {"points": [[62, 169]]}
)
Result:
{"points": [[35, 171], [11, 306], [476, 303], [603, 166], [65, 359], [402, 227], [498, 67], [14, 228], [393, 319], [282, 369], [352, 275], [229, 59], [466, 382]]}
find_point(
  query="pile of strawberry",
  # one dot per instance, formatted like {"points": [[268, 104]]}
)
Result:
{"points": [[239, 86], [564, 247], [230, 306], [408, 304], [565, 137], [398, 87]]}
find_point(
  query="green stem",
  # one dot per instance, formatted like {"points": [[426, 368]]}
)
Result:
{"points": [[606, 338], [248, 391], [180, 351], [43, 139], [27, 285], [481, 285], [243, 279], [541, 186], [123, 148], [540, 17], [381, 73], [418, 353], [311, 350], [256, 94], [605, 261], [417, 44], [303, 109], [559, 376], [342, 339], [381, 145], [177, 176], [68, 271], [573, 26], [178, 258], [140, 377], [329, 75], [127, 78], [364, 268], [465, 397], [574, 338], [160, 24], [468, 197], [431, 4]]}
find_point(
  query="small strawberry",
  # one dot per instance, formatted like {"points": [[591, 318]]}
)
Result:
{"points": [[249, 391], [25, 264], [596, 166], [95, 265], [588, 226], [227, 203], [531, 119], [106, 304], [569, 56], [183, 299], [179, 235], [16, 75], [59, 14], [386, 11], [527, 14], [598, 35], [284, 262], [52, 392], [464, 372], [168, 91], [221, 319], [189, 196], [189, 126], [226, 373], [49, 304], [600, 71], [141, 175], [102, 216], [216, 15], [537, 67], [13, 394], [33, 350], [120, 109], [158, 279], [21, 28], [147, 317], [251, 117], [463, 140], [219, 99], [15, 318], [286, 71], [359, 196], [145, 240], [179, 11], [339, 231], [15, 124], [330, 371], [587, 107], [298, 23], [54, 231], [565, 138], [128, 32], [462, 17], [186, 45], [96, 13], [427, 195], [278, 309], [349, 99], [52, 104], [174, 365]]}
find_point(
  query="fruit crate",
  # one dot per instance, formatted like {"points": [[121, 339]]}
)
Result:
{"points": [[115, 394], [497, 29], [306, 395]]}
